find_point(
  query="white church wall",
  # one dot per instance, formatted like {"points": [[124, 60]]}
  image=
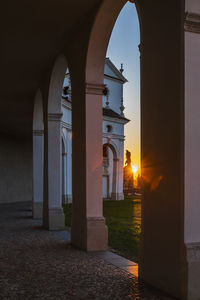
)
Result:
{"points": [[115, 94], [117, 128], [116, 136], [16, 170]]}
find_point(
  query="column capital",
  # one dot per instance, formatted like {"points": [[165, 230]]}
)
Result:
{"points": [[94, 88], [38, 132], [55, 117], [192, 22]]}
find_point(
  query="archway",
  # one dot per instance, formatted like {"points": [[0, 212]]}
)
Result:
{"points": [[53, 216], [109, 172], [162, 245]]}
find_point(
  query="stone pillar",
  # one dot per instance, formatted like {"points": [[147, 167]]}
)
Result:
{"points": [[192, 151], [69, 169], [64, 177], [163, 261], [55, 218], [38, 162], [88, 230]]}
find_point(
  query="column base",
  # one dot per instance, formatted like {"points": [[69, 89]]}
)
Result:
{"points": [[117, 196], [97, 234], [66, 199], [193, 266], [90, 234], [37, 210], [56, 219]]}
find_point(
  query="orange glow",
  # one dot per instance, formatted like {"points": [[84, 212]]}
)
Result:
{"points": [[134, 168]]}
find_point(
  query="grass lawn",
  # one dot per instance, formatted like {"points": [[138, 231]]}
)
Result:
{"points": [[124, 225]]}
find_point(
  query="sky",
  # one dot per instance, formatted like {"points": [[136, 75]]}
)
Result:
{"points": [[123, 48]]}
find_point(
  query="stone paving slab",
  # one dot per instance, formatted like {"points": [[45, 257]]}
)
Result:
{"points": [[41, 264], [118, 261]]}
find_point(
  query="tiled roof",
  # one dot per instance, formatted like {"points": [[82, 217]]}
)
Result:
{"points": [[111, 113]]}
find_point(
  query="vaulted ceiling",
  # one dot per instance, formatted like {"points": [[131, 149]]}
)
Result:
{"points": [[32, 34]]}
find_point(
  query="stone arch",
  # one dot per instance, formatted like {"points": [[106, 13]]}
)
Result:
{"points": [[53, 216], [100, 36], [56, 85], [162, 138]]}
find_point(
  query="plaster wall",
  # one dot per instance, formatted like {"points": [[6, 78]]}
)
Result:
{"points": [[192, 137], [16, 170], [192, 6], [115, 94], [117, 128]]}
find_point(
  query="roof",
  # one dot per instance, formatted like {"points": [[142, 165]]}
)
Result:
{"points": [[115, 72], [111, 113]]}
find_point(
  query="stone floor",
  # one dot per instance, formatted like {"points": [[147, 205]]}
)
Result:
{"points": [[39, 264]]}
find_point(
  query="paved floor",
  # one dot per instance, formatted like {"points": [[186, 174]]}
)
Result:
{"points": [[118, 261], [39, 264]]}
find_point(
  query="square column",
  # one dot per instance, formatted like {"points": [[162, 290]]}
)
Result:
{"points": [[88, 231], [38, 162], [192, 150], [54, 218]]}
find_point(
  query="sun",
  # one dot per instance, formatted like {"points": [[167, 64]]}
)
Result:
{"points": [[134, 168]]}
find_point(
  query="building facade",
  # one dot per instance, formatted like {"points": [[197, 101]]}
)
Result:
{"points": [[112, 135]]}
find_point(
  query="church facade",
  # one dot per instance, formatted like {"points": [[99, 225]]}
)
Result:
{"points": [[112, 135]]}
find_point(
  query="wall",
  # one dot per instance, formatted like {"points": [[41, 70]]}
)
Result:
{"points": [[16, 170]]}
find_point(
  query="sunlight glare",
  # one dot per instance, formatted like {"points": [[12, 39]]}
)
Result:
{"points": [[134, 168]]}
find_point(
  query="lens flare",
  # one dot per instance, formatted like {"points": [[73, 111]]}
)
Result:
{"points": [[134, 168]]}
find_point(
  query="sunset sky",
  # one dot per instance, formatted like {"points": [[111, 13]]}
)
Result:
{"points": [[123, 48]]}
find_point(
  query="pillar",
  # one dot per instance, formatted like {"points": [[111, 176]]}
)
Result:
{"points": [[54, 218], [38, 161], [69, 167], [88, 230], [192, 149], [64, 177], [163, 260]]}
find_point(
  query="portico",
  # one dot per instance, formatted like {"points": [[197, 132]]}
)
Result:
{"points": [[40, 50]]}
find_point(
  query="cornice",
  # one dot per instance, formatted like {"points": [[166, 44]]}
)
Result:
{"points": [[55, 117], [114, 136], [66, 104], [66, 125], [115, 120], [38, 132], [192, 22], [94, 89]]}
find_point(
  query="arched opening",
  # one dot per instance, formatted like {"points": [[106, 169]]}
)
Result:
{"points": [[53, 215], [159, 159], [110, 165]]}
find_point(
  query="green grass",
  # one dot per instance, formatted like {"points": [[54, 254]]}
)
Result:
{"points": [[124, 225], [123, 228]]}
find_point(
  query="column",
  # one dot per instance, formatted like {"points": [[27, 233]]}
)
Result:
{"points": [[38, 161], [64, 177], [88, 230], [54, 218], [192, 152], [69, 169]]}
